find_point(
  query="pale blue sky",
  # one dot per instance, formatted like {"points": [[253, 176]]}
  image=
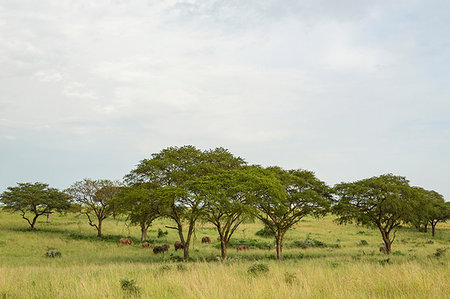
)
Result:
{"points": [[347, 89]]}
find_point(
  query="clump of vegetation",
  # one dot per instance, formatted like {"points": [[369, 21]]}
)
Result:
{"points": [[309, 242], [440, 252], [164, 268], [429, 242], [181, 267], [363, 243], [129, 287], [258, 269], [264, 232], [162, 233], [52, 252], [290, 277], [398, 252], [385, 261]]}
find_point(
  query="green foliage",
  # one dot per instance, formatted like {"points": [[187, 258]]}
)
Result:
{"points": [[129, 287], [36, 199], [440, 252], [162, 233], [264, 232], [308, 243], [363, 243], [181, 267], [290, 277], [258, 269], [52, 252]]}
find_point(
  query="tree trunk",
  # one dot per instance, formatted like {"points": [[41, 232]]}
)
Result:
{"points": [[279, 238], [99, 229], [33, 223], [143, 232], [223, 247], [188, 241], [433, 227], [387, 241], [48, 218], [425, 228]]}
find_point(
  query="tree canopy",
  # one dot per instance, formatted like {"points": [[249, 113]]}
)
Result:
{"points": [[35, 199]]}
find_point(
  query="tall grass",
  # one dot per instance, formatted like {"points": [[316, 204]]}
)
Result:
{"points": [[91, 268]]}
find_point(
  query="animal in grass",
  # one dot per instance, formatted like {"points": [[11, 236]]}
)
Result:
{"points": [[159, 249], [126, 241], [206, 239], [147, 245], [242, 247], [383, 249], [165, 246], [178, 245]]}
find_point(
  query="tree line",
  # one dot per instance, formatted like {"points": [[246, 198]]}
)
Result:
{"points": [[187, 185]]}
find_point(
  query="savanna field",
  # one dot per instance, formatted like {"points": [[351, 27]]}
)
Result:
{"points": [[321, 259]]}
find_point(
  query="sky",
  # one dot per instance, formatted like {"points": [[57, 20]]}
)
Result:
{"points": [[347, 89]]}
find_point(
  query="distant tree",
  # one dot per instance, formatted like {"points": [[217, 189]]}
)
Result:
{"points": [[437, 210], [384, 201], [95, 198], [35, 199], [421, 207], [141, 205], [284, 197]]}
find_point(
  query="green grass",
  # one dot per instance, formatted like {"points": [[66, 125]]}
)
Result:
{"points": [[92, 268]]}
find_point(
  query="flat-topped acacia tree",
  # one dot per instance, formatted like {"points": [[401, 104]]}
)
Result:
{"points": [[95, 198], [384, 201], [283, 197], [34, 199], [172, 170]]}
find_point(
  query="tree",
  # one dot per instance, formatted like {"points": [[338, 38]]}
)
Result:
{"points": [[141, 205], [283, 198], [36, 199], [95, 199], [171, 170], [226, 198], [384, 201], [437, 211]]}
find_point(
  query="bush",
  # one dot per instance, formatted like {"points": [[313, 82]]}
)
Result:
{"points": [[129, 287], [309, 242], [264, 232], [385, 261], [289, 277], [440, 252], [258, 268], [429, 242], [52, 252], [363, 243], [398, 252], [181, 267], [253, 243], [161, 233]]}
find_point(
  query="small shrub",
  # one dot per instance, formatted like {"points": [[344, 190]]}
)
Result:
{"points": [[429, 242], [440, 252], [264, 232], [181, 267], [176, 258], [363, 243], [385, 261], [361, 232], [398, 252], [161, 233], [164, 268], [290, 277], [129, 287], [52, 252], [258, 268], [309, 242]]}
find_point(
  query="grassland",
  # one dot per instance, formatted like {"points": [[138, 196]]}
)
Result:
{"points": [[345, 268]]}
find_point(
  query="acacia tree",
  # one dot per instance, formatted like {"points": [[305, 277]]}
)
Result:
{"points": [[171, 170], [384, 201], [141, 205], [36, 199], [95, 198], [226, 198], [438, 210], [283, 198]]}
